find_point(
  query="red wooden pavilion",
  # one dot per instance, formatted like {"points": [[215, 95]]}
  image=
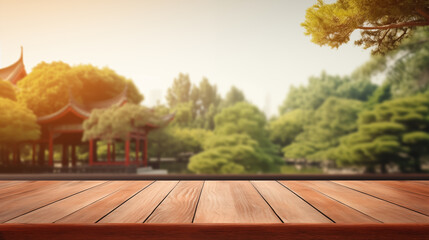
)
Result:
{"points": [[64, 127]]}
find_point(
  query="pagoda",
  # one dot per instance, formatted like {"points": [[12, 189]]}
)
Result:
{"points": [[65, 127]]}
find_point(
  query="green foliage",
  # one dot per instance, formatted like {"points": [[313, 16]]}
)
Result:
{"points": [[190, 139], [320, 88], [383, 23], [117, 121], [284, 129], [393, 132], [17, 123], [7, 90], [234, 96], [240, 144], [184, 116], [409, 73], [335, 118], [48, 87], [180, 92]]}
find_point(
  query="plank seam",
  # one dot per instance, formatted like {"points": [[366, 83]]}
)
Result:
{"points": [[330, 219], [57, 201], [401, 189], [345, 204], [281, 220], [161, 202], [381, 199], [124, 201], [86, 205], [198, 201]]}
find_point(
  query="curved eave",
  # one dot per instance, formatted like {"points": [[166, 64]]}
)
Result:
{"points": [[76, 109], [165, 120], [15, 72], [69, 108]]}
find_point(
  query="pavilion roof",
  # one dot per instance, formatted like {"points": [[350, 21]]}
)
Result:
{"points": [[14, 72], [83, 110]]}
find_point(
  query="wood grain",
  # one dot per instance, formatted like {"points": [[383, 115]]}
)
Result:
{"points": [[409, 200], [139, 207], [376, 208], [60, 209], [416, 188], [94, 212], [14, 207], [20, 190], [232, 202], [180, 205], [214, 231], [10, 183], [335, 210], [289, 207]]}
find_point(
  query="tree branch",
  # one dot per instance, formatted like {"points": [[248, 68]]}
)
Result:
{"points": [[396, 25], [423, 13]]}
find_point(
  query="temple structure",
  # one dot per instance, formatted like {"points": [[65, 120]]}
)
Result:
{"points": [[14, 72], [65, 128]]}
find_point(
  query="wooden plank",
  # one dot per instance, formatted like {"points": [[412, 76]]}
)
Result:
{"points": [[10, 183], [409, 200], [376, 208], [425, 183], [94, 212], [214, 231], [335, 210], [288, 206], [416, 188], [20, 190], [180, 205], [139, 207], [60, 209], [232, 202], [15, 207]]}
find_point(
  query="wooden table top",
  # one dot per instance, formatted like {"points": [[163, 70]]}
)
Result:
{"points": [[184, 202]]}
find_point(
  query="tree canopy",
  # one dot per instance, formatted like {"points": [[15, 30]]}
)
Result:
{"points": [[313, 95], [335, 118], [17, 123], [395, 131], [240, 144], [383, 24], [117, 121], [48, 87]]}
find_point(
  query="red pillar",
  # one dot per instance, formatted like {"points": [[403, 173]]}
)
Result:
{"points": [[51, 149], [74, 157], [137, 150], [34, 155], [91, 152], [127, 152], [108, 153], [145, 152]]}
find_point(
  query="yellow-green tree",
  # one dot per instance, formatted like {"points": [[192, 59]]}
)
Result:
{"points": [[17, 123], [383, 24], [48, 87]]}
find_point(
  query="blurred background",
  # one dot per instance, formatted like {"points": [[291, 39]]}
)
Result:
{"points": [[214, 87]]}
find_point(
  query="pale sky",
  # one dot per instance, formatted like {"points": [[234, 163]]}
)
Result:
{"points": [[256, 45]]}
